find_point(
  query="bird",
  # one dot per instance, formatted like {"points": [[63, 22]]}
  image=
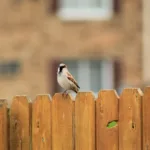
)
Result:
{"points": [[66, 80]]}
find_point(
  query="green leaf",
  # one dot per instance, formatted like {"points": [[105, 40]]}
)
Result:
{"points": [[112, 124]]}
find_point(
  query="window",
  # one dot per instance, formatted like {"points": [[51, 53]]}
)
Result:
{"points": [[92, 75], [9, 68], [85, 9]]}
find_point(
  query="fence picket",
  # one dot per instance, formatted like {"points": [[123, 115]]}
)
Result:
{"points": [[3, 126], [146, 119], [130, 121], [19, 124], [41, 123], [107, 113], [85, 121], [62, 122]]}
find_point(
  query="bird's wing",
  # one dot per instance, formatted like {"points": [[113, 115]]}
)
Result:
{"points": [[70, 77]]}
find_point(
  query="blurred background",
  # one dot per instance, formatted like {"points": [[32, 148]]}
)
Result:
{"points": [[105, 44]]}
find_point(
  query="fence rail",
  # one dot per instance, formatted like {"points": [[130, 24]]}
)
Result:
{"points": [[108, 122]]}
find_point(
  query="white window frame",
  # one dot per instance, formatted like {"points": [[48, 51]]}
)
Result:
{"points": [[103, 13]]}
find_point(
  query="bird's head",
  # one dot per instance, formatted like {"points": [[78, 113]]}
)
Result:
{"points": [[61, 67]]}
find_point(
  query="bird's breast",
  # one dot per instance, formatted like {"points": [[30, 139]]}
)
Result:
{"points": [[63, 81]]}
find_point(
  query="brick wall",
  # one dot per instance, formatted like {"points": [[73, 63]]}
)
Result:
{"points": [[146, 43], [30, 34]]}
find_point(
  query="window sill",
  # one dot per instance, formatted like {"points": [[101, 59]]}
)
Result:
{"points": [[69, 14]]}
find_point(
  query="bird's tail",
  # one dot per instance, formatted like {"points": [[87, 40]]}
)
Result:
{"points": [[75, 89]]}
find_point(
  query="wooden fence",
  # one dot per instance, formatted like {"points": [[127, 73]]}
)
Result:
{"points": [[108, 122]]}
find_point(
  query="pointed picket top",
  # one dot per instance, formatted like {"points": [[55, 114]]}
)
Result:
{"points": [[48, 96], [19, 102], [20, 98], [133, 91], [45, 97], [130, 121], [106, 93], [85, 95], [62, 96]]}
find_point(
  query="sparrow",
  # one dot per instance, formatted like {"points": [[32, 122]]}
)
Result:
{"points": [[66, 80]]}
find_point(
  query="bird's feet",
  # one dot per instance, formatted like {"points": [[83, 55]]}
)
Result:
{"points": [[65, 93]]}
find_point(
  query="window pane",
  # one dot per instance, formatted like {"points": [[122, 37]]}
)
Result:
{"points": [[95, 3], [84, 75], [69, 3], [107, 74], [9, 68], [95, 75], [83, 3]]}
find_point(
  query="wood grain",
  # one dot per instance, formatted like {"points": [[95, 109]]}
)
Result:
{"points": [[146, 119], [85, 121], [3, 125], [41, 123], [62, 122], [19, 124], [106, 112], [130, 120]]}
